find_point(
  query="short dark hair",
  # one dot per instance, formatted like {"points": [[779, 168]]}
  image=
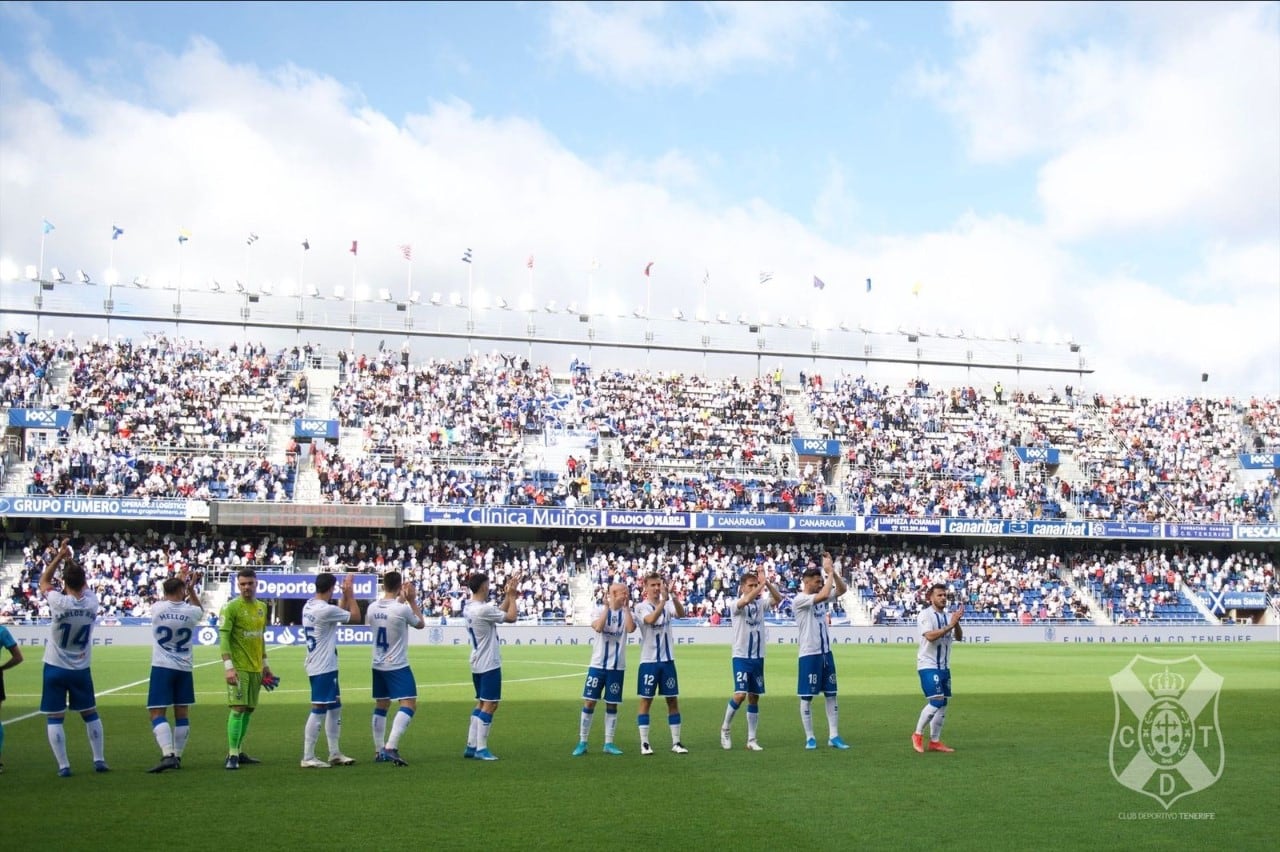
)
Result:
{"points": [[942, 586], [811, 571], [73, 576], [247, 572], [325, 582], [391, 581], [172, 585], [652, 575], [476, 581]]}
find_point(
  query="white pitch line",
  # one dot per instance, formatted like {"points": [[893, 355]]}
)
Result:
{"points": [[111, 691], [120, 689]]}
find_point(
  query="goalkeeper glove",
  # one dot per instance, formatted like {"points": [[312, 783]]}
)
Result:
{"points": [[270, 682]]}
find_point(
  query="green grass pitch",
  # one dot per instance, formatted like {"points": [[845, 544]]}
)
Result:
{"points": [[1031, 725]]}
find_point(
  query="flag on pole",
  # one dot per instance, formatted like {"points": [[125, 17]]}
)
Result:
{"points": [[706, 278], [116, 231], [253, 238], [766, 277], [48, 226], [466, 256], [595, 264], [868, 285], [407, 250], [306, 244], [355, 247], [183, 236], [818, 283], [648, 266], [529, 262], [915, 289]]}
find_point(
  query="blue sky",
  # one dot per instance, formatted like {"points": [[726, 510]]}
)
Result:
{"points": [[1105, 170]]}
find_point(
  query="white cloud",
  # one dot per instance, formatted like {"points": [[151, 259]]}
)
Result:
{"points": [[1178, 122], [649, 43], [224, 149]]}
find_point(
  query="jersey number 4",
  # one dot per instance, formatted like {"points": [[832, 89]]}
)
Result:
{"points": [[380, 640]]}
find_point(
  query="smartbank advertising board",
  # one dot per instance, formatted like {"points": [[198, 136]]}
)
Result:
{"points": [[783, 637]]}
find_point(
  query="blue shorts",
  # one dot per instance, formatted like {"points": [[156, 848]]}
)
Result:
{"points": [[170, 688], [394, 685], [658, 679], [748, 675], [488, 685], [324, 688], [604, 685], [817, 674], [935, 682], [60, 683]]}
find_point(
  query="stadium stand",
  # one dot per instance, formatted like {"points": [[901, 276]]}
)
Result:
{"points": [[171, 418]]}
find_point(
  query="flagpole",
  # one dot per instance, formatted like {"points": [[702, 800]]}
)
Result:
{"points": [[302, 265], [471, 312], [532, 307], [355, 257], [44, 232], [591, 281], [408, 293]]}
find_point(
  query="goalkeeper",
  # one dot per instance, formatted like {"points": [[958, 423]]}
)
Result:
{"points": [[244, 659]]}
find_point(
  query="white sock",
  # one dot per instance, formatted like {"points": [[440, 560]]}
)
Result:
{"points": [[163, 733], [379, 729], [926, 716], [675, 728], [584, 724], [399, 726], [730, 710], [935, 727], [311, 733], [806, 716], [753, 721], [94, 729], [333, 729], [610, 724], [483, 722], [58, 742], [833, 716], [181, 731], [473, 732]]}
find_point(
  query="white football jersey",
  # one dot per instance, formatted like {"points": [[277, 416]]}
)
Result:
{"points": [[173, 629], [655, 639], [935, 654], [71, 631], [610, 651], [749, 628], [482, 623], [320, 620], [391, 620], [811, 625]]}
